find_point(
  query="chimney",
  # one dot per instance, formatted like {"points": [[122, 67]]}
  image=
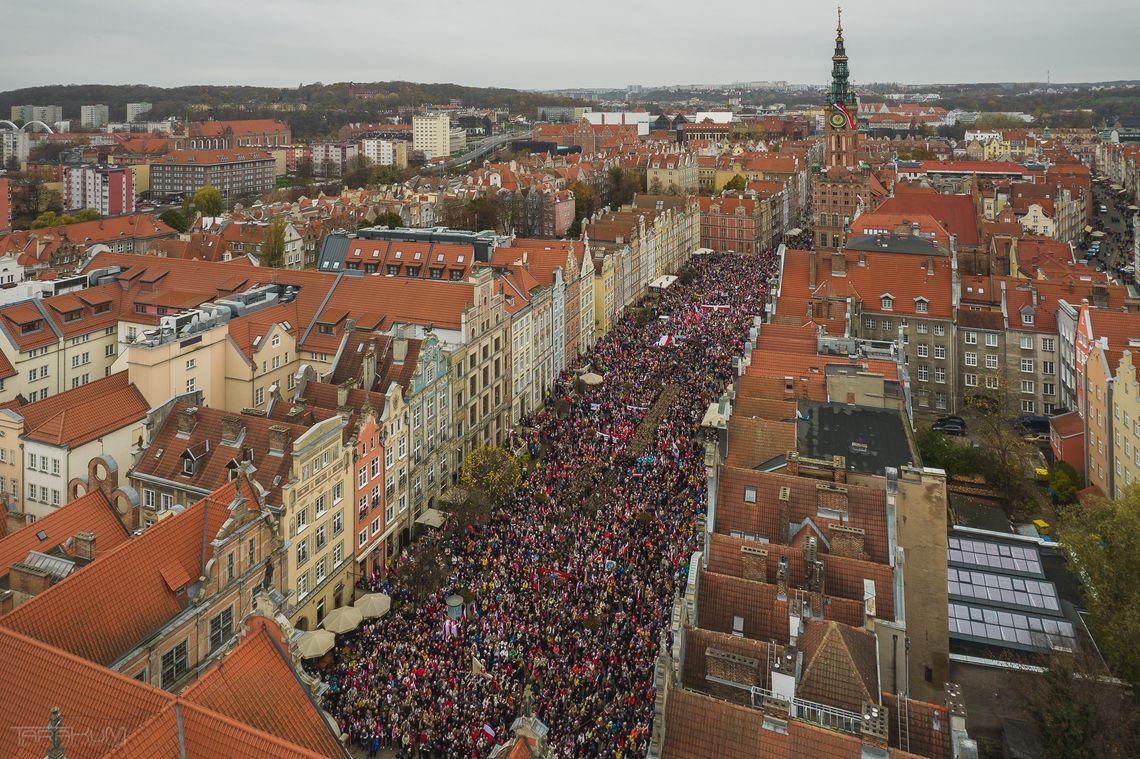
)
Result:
{"points": [[231, 429], [831, 497], [783, 506], [278, 439], [187, 420], [811, 270], [839, 469], [755, 562], [815, 583], [782, 579], [838, 263], [342, 393], [735, 668], [84, 543], [930, 266], [368, 378], [7, 601], [29, 580], [400, 350], [793, 460], [849, 542], [873, 727]]}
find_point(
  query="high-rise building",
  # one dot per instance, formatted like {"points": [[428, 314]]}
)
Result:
{"points": [[94, 116], [134, 110], [14, 147], [841, 187], [48, 114], [431, 135], [110, 190]]}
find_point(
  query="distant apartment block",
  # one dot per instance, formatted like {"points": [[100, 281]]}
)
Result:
{"points": [[134, 110], [237, 172], [48, 114], [14, 147], [94, 116], [431, 135], [380, 152], [331, 159], [110, 190]]}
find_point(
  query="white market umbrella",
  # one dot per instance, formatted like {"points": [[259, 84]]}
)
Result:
{"points": [[342, 620], [589, 378], [315, 643], [374, 605]]}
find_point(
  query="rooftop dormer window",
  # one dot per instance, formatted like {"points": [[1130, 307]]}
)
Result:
{"points": [[29, 327], [887, 302]]}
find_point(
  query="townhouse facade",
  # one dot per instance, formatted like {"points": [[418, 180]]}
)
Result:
{"points": [[235, 172]]}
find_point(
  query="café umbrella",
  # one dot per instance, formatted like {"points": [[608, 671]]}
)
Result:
{"points": [[374, 605], [315, 643], [589, 378], [342, 620]]}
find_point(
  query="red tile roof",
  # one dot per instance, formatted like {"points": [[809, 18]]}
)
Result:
{"points": [[954, 212], [171, 552], [89, 513], [840, 666], [255, 685], [78, 416]]}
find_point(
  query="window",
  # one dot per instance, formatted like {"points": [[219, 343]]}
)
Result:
{"points": [[322, 536], [221, 628], [1048, 344], [991, 361], [749, 495], [991, 383], [375, 467], [191, 385], [320, 505], [971, 380], [869, 323], [1027, 386], [971, 338], [1027, 318], [303, 551], [338, 554], [403, 447], [940, 374], [1027, 365], [389, 457], [251, 549], [175, 664], [191, 364], [923, 350], [921, 306], [1026, 343], [167, 501], [991, 340], [109, 350], [888, 325], [362, 538], [1048, 367], [940, 351], [302, 586], [939, 330], [1048, 388], [1028, 407], [923, 374], [922, 328], [259, 396], [302, 519], [971, 359], [276, 341], [320, 571], [148, 499], [887, 302], [338, 522], [362, 477]]}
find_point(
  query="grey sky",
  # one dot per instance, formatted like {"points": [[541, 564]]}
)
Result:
{"points": [[528, 44]]}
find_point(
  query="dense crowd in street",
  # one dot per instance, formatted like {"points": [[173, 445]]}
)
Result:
{"points": [[570, 583]]}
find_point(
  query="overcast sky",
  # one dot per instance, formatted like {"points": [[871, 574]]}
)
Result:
{"points": [[529, 44]]}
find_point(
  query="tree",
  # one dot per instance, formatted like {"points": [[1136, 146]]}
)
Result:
{"points": [[737, 184], [493, 472], [174, 219], [1064, 481], [209, 202], [1005, 458], [53, 219], [1102, 538], [585, 200], [273, 244], [385, 175], [389, 219], [938, 450]]}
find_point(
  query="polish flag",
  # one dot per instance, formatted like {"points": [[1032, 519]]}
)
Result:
{"points": [[664, 341], [488, 730]]}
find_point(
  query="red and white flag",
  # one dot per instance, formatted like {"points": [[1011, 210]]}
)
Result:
{"points": [[450, 629], [716, 307], [488, 730], [663, 341]]}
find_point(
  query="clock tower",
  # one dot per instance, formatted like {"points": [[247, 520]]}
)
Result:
{"points": [[842, 186], [842, 115]]}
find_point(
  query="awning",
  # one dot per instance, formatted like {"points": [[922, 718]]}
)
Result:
{"points": [[343, 619], [374, 605], [315, 643], [663, 282], [793, 232], [590, 378], [432, 518]]}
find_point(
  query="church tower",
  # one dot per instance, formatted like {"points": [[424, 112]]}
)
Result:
{"points": [[841, 189]]}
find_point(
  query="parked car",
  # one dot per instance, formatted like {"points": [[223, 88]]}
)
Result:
{"points": [[949, 428]]}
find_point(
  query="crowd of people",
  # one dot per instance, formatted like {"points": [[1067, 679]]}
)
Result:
{"points": [[569, 584]]}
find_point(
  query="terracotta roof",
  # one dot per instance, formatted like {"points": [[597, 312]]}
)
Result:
{"points": [[78, 416], [954, 212], [214, 458], [211, 157], [132, 611], [751, 442], [928, 727], [840, 666], [1065, 425], [89, 513], [255, 685]]}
